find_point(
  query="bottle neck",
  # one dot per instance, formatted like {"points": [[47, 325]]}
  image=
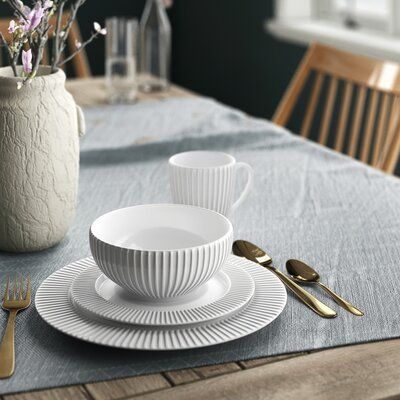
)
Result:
{"points": [[155, 12], [158, 3]]}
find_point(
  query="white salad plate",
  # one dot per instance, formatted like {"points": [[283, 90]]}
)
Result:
{"points": [[97, 296], [54, 306]]}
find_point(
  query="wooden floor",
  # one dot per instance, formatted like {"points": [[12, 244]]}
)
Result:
{"points": [[364, 371]]}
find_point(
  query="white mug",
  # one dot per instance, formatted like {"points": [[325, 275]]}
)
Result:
{"points": [[207, 179]]}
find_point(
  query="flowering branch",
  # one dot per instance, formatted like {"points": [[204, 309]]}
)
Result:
{"points": [[17, 9], [38, 44], [79, 46], [29, 34], [61, 33], [4, 43], [56, 42]]}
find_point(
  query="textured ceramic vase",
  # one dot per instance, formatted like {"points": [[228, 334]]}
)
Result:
{"points": [[40, 126]]}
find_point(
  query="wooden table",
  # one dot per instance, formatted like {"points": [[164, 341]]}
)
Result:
{"points": [[90, 92], [365, 371]]}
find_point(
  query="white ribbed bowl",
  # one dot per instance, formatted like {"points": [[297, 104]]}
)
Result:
{"points": [[160, 250]]}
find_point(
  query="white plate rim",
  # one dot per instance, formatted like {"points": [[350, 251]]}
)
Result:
{"points": [[260, 312], [241, 290]]}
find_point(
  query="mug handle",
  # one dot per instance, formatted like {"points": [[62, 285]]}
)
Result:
{"points": [[249, 183]]}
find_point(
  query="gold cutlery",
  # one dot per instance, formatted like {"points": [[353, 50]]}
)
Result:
{"points": [[12, 302], [253, 253], [302, 272]]}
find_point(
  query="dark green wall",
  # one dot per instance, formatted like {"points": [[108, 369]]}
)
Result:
{"points": [[220, 49]]}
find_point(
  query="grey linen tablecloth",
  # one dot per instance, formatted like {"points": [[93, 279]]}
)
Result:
{"points": [[308, 202]]}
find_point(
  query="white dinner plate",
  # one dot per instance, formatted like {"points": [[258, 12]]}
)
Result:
{"points": [[97, 296], [53, 304]]}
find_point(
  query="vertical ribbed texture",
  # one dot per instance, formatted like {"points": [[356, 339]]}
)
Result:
{"points": [[211, 188], [265, 305], [96, 296], [160, 274]]}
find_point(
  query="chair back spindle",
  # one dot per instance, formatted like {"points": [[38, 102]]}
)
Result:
{"points": [[357, 99]]}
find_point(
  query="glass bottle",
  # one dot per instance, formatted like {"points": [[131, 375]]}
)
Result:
{"points": [[155, 47]]}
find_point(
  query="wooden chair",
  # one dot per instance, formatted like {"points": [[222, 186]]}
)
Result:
{"points": [[368, 104], [79, 62]]}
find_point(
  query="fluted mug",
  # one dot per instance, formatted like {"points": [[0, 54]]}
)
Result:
{"points": [[207, 179]]}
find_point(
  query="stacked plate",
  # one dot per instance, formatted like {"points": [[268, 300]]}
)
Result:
{"points": [[161, 278]]}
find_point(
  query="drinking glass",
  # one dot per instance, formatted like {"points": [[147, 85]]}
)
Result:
{"points": [[121, 39]]}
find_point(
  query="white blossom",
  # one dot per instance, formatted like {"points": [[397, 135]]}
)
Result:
{"points": [[96, 26], [99, 29]]}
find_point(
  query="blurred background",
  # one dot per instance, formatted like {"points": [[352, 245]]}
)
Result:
{"points": [[219, 48], [244, 52], [223, 49]]}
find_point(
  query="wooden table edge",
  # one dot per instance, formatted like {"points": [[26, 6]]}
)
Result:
{"points": [[351, 369]]}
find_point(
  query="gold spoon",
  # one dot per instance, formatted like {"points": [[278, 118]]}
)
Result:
{"points": [[302, 272], [242, 248]]}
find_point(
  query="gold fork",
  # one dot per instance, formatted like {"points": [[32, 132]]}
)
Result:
{"points": [[13, 303]]}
